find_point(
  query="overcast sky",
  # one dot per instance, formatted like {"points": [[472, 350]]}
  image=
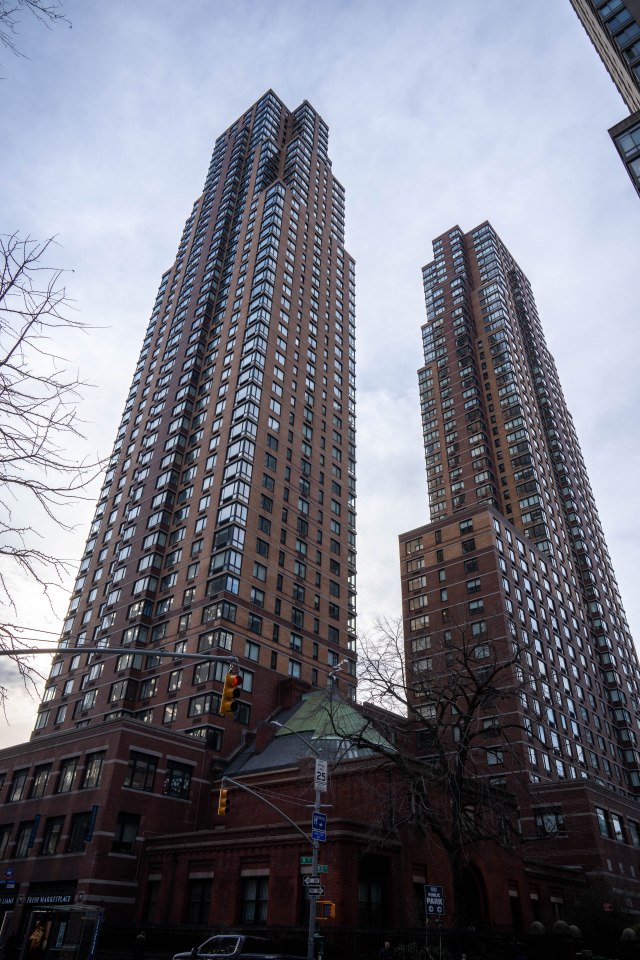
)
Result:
{"points": [[439, 114]]}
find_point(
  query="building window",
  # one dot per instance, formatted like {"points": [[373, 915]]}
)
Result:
{"points": [[5, 833], [371, 906], [25, 837], [618, 829], [468, 546], [211, 735], [40, 780], [52, 834], [141, 771], [255, 892], [67, 774], [177, 780], [244, 713], [265, 526], [92, 770], [151, 913], [603, 822], [295, 668], [252, 651], [257, 596], [549, 823], [204, 704], [78, 832], [199, 900], [148, 688], [170, 712], [43, 718], [126, 832], [16, 789]]}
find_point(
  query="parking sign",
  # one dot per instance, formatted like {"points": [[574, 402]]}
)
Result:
{"points": [[433, 900]]}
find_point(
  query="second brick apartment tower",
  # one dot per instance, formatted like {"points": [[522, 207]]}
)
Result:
{"points": [[515, 560]]}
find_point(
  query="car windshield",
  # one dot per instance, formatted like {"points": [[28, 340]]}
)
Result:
{"points": [[222, 946]]}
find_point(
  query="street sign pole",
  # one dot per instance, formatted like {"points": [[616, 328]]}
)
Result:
{"points": [[314, 873]]}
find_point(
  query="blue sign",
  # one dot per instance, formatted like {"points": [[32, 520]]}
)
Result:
{"points": [[319, 821], [433, 900]]}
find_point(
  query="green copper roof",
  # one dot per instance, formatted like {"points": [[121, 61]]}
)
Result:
{"points": [[327, 719]]}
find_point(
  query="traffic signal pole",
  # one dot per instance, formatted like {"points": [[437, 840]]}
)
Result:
{"points": [[116, 651]]}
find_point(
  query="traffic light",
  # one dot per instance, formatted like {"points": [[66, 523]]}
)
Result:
{"points": [[326, 910], [223, 802], [230, 693]]}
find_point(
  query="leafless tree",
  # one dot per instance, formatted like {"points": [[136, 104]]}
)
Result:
{"points": [[11, 12], [39, 478], [455, 727]]}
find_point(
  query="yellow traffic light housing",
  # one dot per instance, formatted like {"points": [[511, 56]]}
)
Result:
{"points": [[230, 693], [326, 910], [223, 802]]}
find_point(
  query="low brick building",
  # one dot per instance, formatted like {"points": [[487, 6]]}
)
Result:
{"points": [[251, 865], [122, 820]]}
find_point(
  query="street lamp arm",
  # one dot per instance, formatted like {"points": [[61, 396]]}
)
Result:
{"points": [[276, 723], [273, 806]]}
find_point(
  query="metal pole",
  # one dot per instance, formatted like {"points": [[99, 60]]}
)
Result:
{"points": [[315, 845], [144, 651], [313, 901]]}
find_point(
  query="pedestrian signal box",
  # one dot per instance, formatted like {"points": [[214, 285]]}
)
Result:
{"points": [[325, 910]]}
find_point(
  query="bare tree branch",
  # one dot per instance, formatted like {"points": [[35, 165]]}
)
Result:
{"points": [[11, 12], [39, 396], [456, 721]]}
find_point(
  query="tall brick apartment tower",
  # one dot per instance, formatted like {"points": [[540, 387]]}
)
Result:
{"points": [[613, 27], [225, 525], [515, 555]]}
